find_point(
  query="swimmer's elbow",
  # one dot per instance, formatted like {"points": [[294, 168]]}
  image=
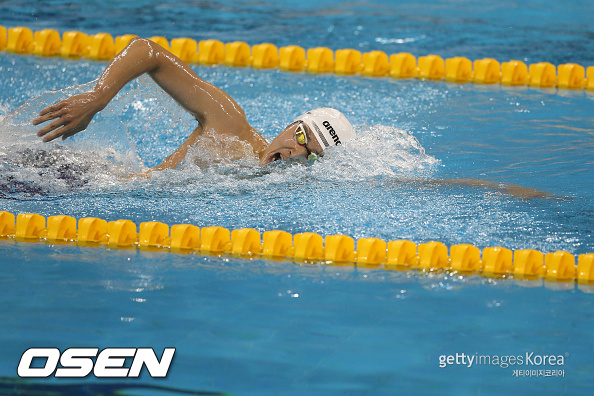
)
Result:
{"points": [[145, 50], [139, 42]]}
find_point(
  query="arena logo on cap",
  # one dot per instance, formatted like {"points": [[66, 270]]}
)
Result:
{"points": [[332, 132], [80, 362]]}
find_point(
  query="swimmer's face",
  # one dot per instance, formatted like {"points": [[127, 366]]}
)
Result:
{"points": [[285, 146]]}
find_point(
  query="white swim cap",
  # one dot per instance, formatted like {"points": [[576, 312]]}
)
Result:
{"points": [[329, 126]]}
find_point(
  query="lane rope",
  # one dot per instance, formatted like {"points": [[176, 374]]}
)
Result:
{"points": [[293, 58], [524, 265]]}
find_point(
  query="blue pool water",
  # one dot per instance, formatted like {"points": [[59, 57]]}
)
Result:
{"points": [[278, 327]]}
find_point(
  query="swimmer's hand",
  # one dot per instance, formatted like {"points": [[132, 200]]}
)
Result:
{"points": [[72, 115], [136, 175]]}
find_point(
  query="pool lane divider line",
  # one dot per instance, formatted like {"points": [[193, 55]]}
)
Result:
{"points": [[293, 58], [525, 264]]}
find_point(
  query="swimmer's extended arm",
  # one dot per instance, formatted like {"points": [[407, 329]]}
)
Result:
{"points": [[505, 188], [212, 107]]}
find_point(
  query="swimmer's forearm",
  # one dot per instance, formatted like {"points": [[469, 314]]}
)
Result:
{"points": [[136, 59], [170, 162], [173, 160], [73, 114], [506, 188], [170, 73]]}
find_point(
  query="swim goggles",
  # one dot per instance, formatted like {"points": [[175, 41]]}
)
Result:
{"points": [[301, 139]]}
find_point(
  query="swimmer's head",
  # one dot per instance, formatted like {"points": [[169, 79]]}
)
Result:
{"points": [[329, 126], [309, 135]]}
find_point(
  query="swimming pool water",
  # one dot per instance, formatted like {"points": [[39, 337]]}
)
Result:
{"points": [[277, 327], [255, 327]]}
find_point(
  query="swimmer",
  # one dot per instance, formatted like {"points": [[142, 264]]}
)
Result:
{"points": [[218, 115]]}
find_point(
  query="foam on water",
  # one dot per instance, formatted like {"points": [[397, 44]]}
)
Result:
{"points": [[142, 126]]}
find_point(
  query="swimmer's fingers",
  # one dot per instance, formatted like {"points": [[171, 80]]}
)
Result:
{"points": [[49, 113], [69, 116], [62, 127], [52, 108], [47, 116], [60, 122], [65, 132], [55, 134]]}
